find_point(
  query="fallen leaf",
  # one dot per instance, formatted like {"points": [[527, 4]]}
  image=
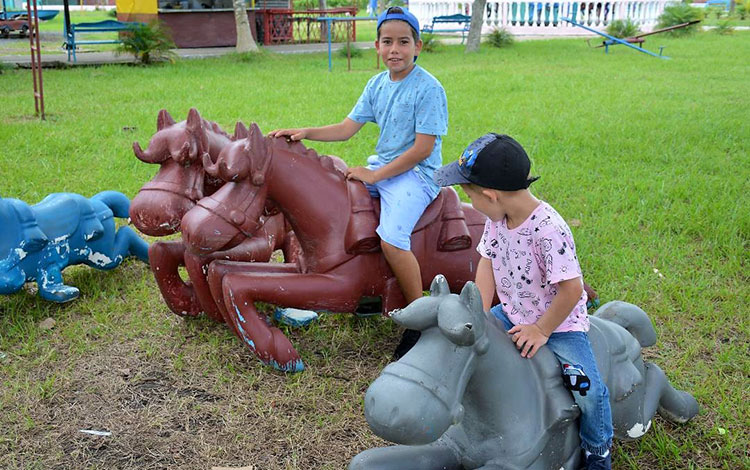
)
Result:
{"points": [[574, 223], [47, 324]]}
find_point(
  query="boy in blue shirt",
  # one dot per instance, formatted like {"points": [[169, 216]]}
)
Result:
{"points": [[410, 107]]}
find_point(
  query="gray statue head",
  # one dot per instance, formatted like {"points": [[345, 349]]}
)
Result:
{"points": [[415, 400]]}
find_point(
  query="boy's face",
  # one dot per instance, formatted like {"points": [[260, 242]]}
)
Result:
{"points": [[397, 48]]}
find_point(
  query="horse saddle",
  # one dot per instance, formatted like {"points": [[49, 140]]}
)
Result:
{"points": [[364, 217]]}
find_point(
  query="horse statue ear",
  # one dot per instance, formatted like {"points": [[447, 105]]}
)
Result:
{"points": [[257, 142], [164, 120], [240, 131], [439, 286], [195, 127]]}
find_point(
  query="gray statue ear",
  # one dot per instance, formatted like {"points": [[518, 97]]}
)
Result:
{"points": [[471, 297], [439, 286]]}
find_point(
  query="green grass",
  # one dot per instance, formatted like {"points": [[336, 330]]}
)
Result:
{"points": [[649, 155]]}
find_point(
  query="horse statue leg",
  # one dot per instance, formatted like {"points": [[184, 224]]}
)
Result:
{"points": [[672, 404], [12, 277], [241, 290], [427, 457], [166, 259], [51, 286]]}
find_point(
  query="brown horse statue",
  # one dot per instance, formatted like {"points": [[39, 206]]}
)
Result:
{"points": [[334, 221], [180, 149]]}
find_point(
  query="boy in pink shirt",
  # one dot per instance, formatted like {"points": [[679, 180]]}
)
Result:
{"points": [[529, 260]]}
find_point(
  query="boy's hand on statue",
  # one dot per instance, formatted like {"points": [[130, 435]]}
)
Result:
{"points": [[528, 339], [290, 134], [362, 174]]}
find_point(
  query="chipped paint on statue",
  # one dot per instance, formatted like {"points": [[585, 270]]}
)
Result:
{"points": [[39, 241]]}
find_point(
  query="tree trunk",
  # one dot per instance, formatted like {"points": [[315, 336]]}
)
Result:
{"points": [[475, 30], [245, 40], [323, 24]]}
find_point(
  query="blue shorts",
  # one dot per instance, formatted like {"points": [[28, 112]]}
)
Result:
{"points": [[403, 199]]}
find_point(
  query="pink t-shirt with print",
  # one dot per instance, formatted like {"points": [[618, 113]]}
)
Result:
{"points": [[528, 262]]}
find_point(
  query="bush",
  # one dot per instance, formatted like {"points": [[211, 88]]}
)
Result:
{"points": [[354, 51], [112, 13], [724, 28], [430, 43], [678, 14], [147, 43], [743, 9], [500, 37], [623, 28]]}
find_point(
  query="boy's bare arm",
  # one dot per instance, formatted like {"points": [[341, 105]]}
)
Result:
{"points": [[529, 338], [344, 130], [422, 148], [485, 281]]}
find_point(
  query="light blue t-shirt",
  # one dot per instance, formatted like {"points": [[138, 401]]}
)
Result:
{"points": [[416, 104]]}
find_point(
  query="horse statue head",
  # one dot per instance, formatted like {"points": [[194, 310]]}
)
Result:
{"points": [[413, 404], [240, 165], [241, 206], [180, 149]]}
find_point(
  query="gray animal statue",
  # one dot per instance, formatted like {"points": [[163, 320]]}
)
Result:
{"points": [[464, 398]]}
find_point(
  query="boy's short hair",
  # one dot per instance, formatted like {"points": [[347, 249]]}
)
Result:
{"points": [[399, 14], [494, 161]]}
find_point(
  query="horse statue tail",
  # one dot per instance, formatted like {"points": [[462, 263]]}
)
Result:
{"points": [[630, 317], [117, 202]]}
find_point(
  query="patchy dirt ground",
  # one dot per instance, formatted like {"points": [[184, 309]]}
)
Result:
{"points": [[184, 394]]}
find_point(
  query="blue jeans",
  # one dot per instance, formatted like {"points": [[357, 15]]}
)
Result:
{"points": [[596, 416]]}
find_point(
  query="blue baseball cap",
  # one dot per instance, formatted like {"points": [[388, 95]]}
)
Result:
{"points": [[399, 13]]}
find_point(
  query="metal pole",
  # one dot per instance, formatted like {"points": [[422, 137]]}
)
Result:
{"points": [[36, 59], [348, 47], [328, 26], [66, 14]]}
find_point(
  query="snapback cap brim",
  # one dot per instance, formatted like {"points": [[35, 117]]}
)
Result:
{"points": [[449, 175]]}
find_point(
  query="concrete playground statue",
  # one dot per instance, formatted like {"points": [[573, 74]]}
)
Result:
{"points": [[464, 398], [37, 242], [334, 221], [179, 149]]}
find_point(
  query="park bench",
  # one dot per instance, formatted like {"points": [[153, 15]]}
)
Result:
{"points": [[724, 4], [107, 26], [457, 23]]}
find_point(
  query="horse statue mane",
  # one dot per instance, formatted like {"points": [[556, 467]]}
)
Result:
{"points": [[464, 398]]}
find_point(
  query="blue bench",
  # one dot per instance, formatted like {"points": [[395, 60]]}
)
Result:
{"points": [[457, 23], [107, 26], [725, 4]]}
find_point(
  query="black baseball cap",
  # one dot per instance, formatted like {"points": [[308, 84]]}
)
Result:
{"points": [[493, 161]]}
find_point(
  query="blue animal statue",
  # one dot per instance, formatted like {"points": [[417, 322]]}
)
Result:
{"points": [[37, 242], [463, 398]]}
